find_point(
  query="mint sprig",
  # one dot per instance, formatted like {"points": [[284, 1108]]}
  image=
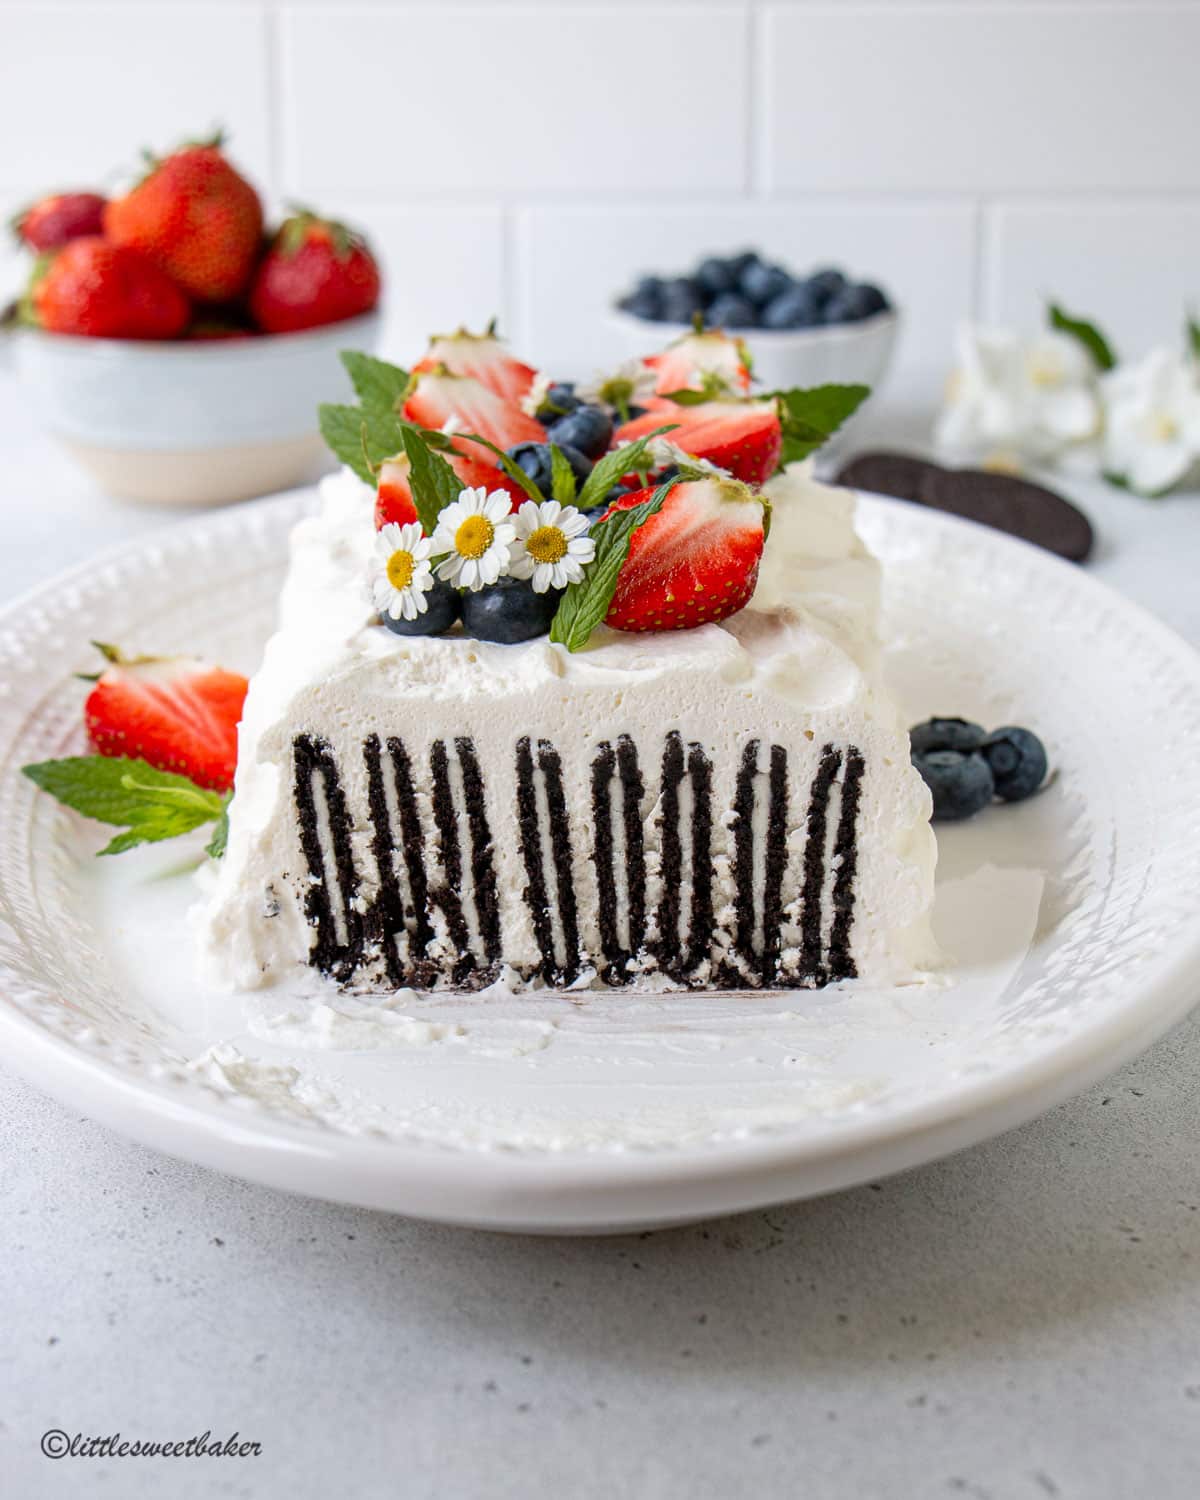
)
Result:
{"points": [[629, 458], [432, 481], [377, 383], [1086, 333], [585, 603], [362, 437], [562, 476], [514, 471], [810, 416], [151, 805]]}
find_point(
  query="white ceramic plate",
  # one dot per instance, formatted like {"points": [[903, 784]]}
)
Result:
{"points": [[1070, 923]]}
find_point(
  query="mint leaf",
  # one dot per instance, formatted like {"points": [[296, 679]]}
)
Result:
{"points": [[630, 458], [513, 470], [433, 483], [562, 476], [809, 417], [688, 397], [1087, 333], [362, 437], [151, 805], [1193, 336], [585, 603], [215, 847], [376, 383]]}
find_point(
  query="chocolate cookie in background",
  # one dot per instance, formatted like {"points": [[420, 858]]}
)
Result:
{"points": [[1023, 509]]}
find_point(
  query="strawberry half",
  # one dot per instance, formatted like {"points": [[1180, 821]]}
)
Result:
{"points": [[684, 364], [483, 357], [439, 395], [393, 498], [695, 562], [742, 436], [175, 712]]}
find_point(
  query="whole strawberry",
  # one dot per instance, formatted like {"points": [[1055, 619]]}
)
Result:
{"points": [[315, 272], [52, 222], [198, 218], [107, 291]]}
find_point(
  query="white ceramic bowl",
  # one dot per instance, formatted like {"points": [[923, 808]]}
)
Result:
{"points": [[843, 353], [197, 423]]}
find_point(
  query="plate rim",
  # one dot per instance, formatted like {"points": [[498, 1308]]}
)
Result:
{"points": [[584, 1190]]}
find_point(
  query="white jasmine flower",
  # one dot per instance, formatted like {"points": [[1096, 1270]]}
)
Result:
{"points": [[405, 575], [1032, 398], [664, 452], [475, 532], [551, 545], [535, 397], [630, 384], [1152, 436]]}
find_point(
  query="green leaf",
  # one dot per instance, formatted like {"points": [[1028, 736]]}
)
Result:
{"points": [[215, 848], [688, 397], [1193, 336], [376, 383], [562, 476], [809, 417], [585, 603], [1087, 333], [629, 458], [362, 437], [151, 805], [433, 483], [513, 470]]}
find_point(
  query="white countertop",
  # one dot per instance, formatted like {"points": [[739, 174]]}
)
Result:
{"points": [[1019, 1321]]}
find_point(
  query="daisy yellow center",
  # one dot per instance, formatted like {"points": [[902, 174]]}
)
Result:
{"points": [[547, 545], [474, 536], [400, 568]]}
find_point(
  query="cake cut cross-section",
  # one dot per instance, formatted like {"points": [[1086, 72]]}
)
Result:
{"points": [[725, 807]]}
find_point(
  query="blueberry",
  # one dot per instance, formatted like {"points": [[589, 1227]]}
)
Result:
{"points": [[642, 305], [508, 611], [587, 428], [1018, 761], [826, 282], [560, 401], [715, 275], [681, 300], [442, 604], [742, 261], [730, 310], [798, 307], [946, 734], [534, 460], [763, 283], [854, 303], [961, 784]]}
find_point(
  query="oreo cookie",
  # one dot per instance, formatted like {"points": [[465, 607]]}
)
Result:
{"points": [[1002, 501]]}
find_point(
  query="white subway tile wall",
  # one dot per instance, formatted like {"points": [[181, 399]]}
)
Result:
{"points": [[527, 159]]}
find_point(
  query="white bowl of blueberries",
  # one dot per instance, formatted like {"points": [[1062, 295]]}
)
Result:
{"points": [[801, 330]]}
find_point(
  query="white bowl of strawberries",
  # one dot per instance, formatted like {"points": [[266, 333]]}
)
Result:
{"points": [[176, 349]]}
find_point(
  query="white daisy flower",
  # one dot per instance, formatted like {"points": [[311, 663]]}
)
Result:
{"points": [[405, 575], [535, 397], [664, 453], [475, 532], [551, 545], [630, 384]]}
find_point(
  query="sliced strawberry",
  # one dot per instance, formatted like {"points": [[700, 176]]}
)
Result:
{"points": [[484, 358], [695, 562], [439, 396], [742, 436], [393, 499], [684, 364], [175, 712]]}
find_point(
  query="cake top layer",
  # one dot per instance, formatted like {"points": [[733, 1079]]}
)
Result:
{"points": [[809, 631]]}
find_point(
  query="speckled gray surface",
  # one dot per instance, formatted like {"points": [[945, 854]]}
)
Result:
{"points": [[1019, 1321]]}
